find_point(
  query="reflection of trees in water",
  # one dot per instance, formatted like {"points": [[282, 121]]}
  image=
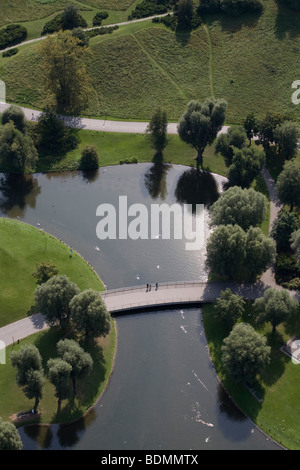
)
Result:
{"points": [[59, 436], [89, 176], [196, 187], [69, 435], [156, 180], [42, 435], [17, 192], [227, 406]]}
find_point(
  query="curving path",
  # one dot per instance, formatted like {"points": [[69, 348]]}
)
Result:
{"points": [[40, 38]]}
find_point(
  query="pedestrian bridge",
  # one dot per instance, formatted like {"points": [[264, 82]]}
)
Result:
{"points": [[122, 300]]}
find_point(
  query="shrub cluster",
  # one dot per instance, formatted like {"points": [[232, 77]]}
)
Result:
{"points": [[11, 35], [100, 31], [10, 52], [149, 8], [97, 20]]}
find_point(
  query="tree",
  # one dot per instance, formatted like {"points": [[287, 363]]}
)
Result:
{"points": [[66, 80], [185, 11], [89, 158], [246, 165], [295, 245], [226, 250], [16, 115], [52, 132], [233, 253], [71, 18], [235, 137], [17, 151], [157, 130], [44, 271], [244, 207], [250, 126], [288, 184], [229, 307], [286, 137], [30, 376], [89, 314], [9, 437], [276, 306], [200, 124], [260, 251], [52, 299], [80, 361], [59, 376], [284, 225], [245, 353], [266, 127]]}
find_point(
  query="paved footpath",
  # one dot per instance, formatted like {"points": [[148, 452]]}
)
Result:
{"points": [[128, 127]]}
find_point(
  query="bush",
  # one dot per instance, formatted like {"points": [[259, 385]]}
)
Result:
{"points": [[294, 284], [89, 158], [10, 52], [100, 31], [129, 160], [97, 20], [11, 35], [16, 115], [149, 8], [44, 271]]}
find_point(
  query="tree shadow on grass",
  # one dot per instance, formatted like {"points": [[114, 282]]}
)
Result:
{"points": [[232, 24], [287, 23], [278, 362]]}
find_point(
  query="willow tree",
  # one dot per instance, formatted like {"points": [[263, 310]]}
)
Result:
{"points": [[66, 81], [200, 124]]}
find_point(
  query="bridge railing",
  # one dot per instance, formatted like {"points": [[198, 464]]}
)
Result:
{"points": [[165, 285]]}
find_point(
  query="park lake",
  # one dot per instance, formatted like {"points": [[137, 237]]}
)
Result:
{"points": [[164, 393]]}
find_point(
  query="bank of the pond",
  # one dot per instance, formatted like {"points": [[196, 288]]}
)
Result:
{"points": [[22, 247], [277, 410]]}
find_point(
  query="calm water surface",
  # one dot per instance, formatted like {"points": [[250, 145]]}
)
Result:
{"points": [[164, 393]]}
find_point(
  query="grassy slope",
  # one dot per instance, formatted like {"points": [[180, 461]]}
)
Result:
{"points": [[252, 62], [22, 247]]}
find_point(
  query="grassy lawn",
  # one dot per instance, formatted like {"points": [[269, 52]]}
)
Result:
{"points": [[113, 147], [22, 247], [278, 414]]}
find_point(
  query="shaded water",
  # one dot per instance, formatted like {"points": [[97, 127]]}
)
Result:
{"points": [[164, 393]]}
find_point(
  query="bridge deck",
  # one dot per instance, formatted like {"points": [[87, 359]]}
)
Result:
{"points": [[138, 298]]}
